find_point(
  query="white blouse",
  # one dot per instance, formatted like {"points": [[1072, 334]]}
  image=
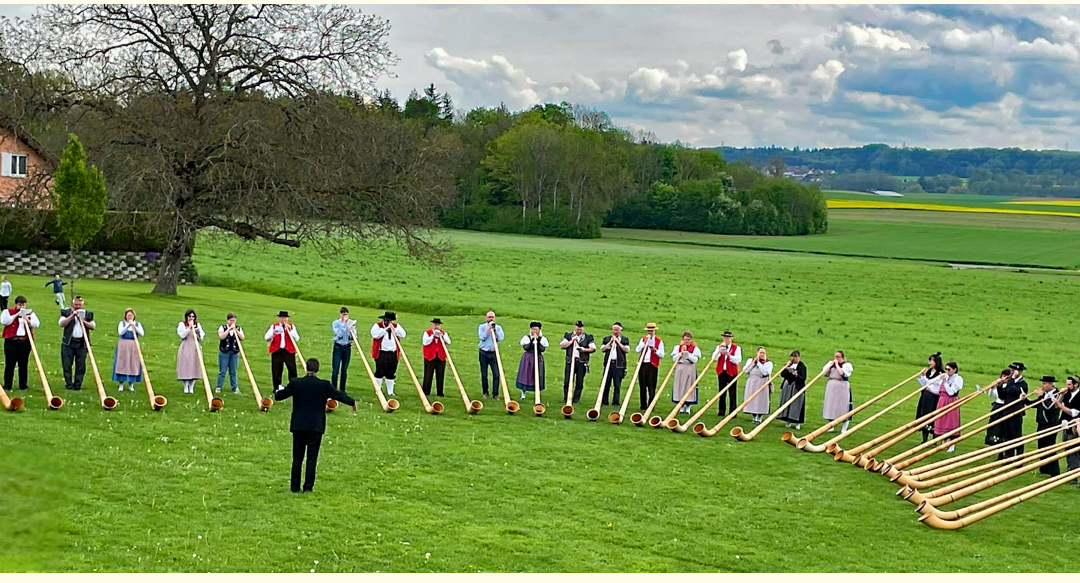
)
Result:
{"points": [[764, 367], [952, 385], [183, 331], [386, 341], [846, 369], [122, 327], [526, 340], [691, 357]]}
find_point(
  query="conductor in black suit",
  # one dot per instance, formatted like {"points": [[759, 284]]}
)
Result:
{"points": [[309, 420]]}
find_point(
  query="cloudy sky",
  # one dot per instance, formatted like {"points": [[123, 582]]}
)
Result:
{"points": [[930, 76]]}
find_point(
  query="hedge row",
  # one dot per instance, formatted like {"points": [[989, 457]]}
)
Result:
{"points": [[32, 230]]}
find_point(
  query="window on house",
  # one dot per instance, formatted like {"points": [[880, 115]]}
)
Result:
{"points": [[13, 165]]}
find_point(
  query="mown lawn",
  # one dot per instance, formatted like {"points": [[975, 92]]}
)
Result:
{"points": [[187, 490]]}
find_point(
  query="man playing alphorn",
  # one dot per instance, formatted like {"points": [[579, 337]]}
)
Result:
{"points": [[728, 357], [282, 337], [615, 348], [578, 346], [653, 347], [489, 333], [344, 330], [384, 349], [17, 340], [1068, 402], [72, 346], [435, 342]]}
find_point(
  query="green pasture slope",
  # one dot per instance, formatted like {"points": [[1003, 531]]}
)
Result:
{"points": [[187, 490]]}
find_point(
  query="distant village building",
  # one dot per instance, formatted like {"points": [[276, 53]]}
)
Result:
{"points": [[25, 166], [886, 193]]}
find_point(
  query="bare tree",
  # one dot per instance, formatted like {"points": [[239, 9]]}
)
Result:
{"points": [[229, 117]]}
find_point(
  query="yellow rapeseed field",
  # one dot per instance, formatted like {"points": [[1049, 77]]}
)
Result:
{"points": [[915, 206], [1046, 202]]}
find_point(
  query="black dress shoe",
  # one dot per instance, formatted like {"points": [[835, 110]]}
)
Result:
{"points": [[294, 491], [307, 490]]}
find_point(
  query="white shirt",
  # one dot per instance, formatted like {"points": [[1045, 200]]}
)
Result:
{"points": [[122, 327], [691, 357], [845, 368], [277, 329], [77, 331], [388, 344], [952, 385], [577, 347], [641, 346], [429, 338], [765, 367], [721, 355], [616, 342], [183, 331], [526, 340], [5, 288], [6, 319]]}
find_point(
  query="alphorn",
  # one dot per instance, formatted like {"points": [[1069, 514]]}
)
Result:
{"points": [[388, 405], [594, 413], [107, 402], [924, 508], [832, 446], [568, 408], [921, 484], [655, 422], [214, 403], [157, 402], [8, 403], [946, 465], [674, 424], [639, 418], [700, 429], [53, 401], [916, 497], [433, 407], [907, 458], [616, 417], [511, 405], [472, 407], [737, 432], [263, 403], [1018, 496], [854, 455], [538, 407], [867, 460], [789, 437]]}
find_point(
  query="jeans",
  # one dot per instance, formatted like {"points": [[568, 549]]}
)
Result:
{"points": [[487, 359], [227, 361], [340, 359]]}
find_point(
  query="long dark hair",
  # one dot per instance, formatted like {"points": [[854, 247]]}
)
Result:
{"points": [[938, 367], [189, 313]]}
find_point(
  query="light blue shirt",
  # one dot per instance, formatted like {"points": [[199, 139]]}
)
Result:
{"points": [[487, 344], [341, 332]]}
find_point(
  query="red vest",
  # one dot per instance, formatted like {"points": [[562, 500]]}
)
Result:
{"points": [[275, 343], [375, 348], [732, 367], [11, 329], [653, 358], [435, 349]]}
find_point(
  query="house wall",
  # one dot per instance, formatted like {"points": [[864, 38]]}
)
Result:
{"points": [[9, 185]]}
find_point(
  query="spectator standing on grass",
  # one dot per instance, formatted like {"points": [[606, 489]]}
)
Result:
{"points": [[229, 338], [308, 421], [489, 333], [58, 289], [5, 292]]}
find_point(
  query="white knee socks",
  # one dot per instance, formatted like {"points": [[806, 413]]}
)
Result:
{"points": [[843, 427], [390, 386], [189, 387]]}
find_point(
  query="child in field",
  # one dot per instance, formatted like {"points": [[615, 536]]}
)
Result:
{"points": [[58, 289]]}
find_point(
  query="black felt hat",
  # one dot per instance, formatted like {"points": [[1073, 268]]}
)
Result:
{"points": [[388, 317]]}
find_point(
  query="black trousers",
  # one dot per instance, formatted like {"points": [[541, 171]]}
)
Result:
{"points": [[281, 359], [1049, 468], [386, 365], [304, 443], [487, 360], [16, 353], [722, 380], [647, 384], [615, 377], [3, 302], [73, 353], [580, 370], [434, 368], [340, 363]]}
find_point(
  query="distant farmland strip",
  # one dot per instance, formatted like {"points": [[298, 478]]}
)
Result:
{"points": [[915, 206]]}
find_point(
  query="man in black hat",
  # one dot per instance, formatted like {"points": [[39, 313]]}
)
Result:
{"points": [[282, 337], [614, 348], [1068, 402], [435, 342], [1007, 398], [1047, 415], [578, 346], [385, 336], [308, 422]]}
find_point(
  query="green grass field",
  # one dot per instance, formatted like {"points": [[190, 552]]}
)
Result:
{"points": [[187, 490]]}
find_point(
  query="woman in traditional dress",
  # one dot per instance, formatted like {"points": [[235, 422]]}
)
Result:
{"points": [[526, 377], [794, 375], [949, 392], [759, 369], [126, 365], [928, 398], [685, 356], [187, 357], [838, 390]]}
